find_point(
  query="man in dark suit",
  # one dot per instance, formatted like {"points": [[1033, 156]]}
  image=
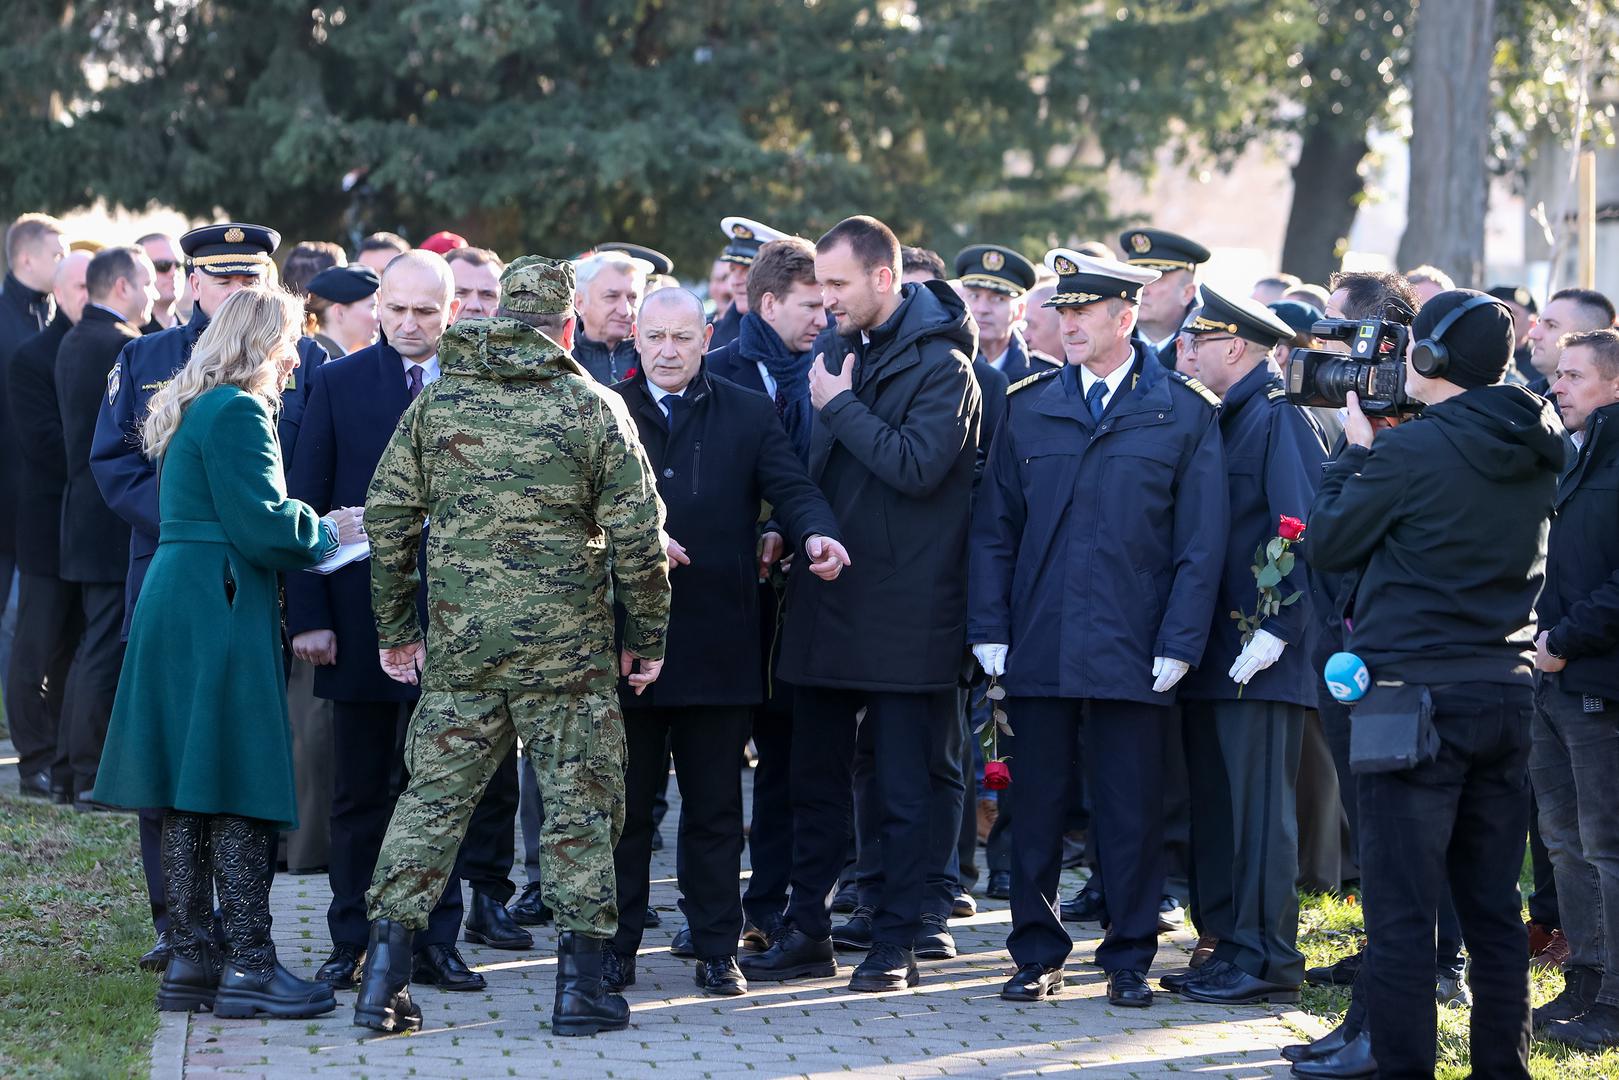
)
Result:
{"points": [[48, 612], [95, 540], [1097, 545], [893, 449], [717, 451], [354, 406]]}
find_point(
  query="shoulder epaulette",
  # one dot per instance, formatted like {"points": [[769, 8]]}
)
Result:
{"points": [[1276, 393], [1197, 388], [1030, 380]]}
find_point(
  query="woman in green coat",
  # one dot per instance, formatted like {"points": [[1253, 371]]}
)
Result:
{"points": [[199, 726]]}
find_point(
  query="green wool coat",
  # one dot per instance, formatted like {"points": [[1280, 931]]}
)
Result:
{"points": [[200, 721]]}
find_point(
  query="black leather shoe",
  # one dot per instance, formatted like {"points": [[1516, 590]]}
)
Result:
{"points": [[652, 919], [854, 935], [1128, 989], [583, 1006], [276, 992], [1000, 885], [1033, 982], [1330, 1043], [384, 1003], [886, 967], [1580, 986], [1171, 916], [617, 970], [530, 909], [720, 976], [963, 906], [1596, 1031], [189, 985], [442, 966], [681, 945], [489, 923], [792, 955], [846, 899], [1342, 973], [341, 969], [1228, 984], [62, 794], [934, 941], [35, 785], [1355, 1060], [758, 939], [1176, 981], [157, 957], [1086, 906]]}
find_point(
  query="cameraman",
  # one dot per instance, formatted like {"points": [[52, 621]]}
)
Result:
{"points": [[1446, 520]]}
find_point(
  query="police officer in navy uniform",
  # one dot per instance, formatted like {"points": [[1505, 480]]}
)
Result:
{"points": [[1096, 553], [744, 238], [220, 260], [997, 280], [1167, 302], [1245, 705]]}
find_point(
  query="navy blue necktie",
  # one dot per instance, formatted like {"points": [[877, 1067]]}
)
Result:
{"points": [[670, 402], [1094, 397], [413, 380]]}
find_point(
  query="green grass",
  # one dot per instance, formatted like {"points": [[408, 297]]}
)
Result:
{"points": [[1331, 928], [73, 923]]}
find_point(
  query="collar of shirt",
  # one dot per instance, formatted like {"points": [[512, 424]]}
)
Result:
{"points": [[1578, 439], [430, 368], [114, 312], [659, 393], [1114, 379], [997, 362], [768, 379]]}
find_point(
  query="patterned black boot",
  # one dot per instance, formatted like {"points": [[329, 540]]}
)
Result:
{"points": [[192, 973], [252, 983]]}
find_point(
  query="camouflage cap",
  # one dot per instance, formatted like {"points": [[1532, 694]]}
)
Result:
{"points": [[537, 285]]}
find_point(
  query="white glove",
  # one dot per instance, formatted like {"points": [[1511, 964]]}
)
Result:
{"points": [[1262, 650], [1166, 673], [992, 658]]}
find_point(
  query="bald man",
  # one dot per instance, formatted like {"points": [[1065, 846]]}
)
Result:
{"points": [[354, 405]]}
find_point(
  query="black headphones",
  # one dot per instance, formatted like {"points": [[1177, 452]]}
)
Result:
{"points": [[1429, 357]]}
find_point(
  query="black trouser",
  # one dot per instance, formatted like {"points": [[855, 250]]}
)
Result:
{"points": [[967, 831], [1335, 725], [1124, 748], [151, 833], [911, 737], [1462, 813], [946, 802], [706, 743], [93, 681], [1543, 900], [1245, 834], [490, 847], [49, 624], [368, 740], [1176, 808], [770, 837]]}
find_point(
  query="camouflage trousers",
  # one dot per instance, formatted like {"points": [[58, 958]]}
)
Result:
{"points": [[455, 741]]}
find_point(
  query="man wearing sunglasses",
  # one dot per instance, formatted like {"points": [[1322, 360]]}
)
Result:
{"points": [[160, 248]]}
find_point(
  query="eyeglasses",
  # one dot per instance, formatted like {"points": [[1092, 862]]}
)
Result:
{"points": [[164, 266], [1195, 340]]}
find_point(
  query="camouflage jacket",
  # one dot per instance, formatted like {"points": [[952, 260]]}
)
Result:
{"points": [[543, 510]]}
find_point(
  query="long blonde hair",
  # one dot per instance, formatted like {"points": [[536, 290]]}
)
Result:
{"points": [[236, 349]]}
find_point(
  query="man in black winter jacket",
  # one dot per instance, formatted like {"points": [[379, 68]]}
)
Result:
{"points": [[1446, 519], [1575, 752], [893, 448]]}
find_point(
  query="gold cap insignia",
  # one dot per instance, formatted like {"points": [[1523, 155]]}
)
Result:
{"points": [[1141, 242], [1064, 265], [234, 235], [994, 260], [741, 232]]}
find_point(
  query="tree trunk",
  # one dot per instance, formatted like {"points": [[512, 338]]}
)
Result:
{"points": [[1326, 187], [1451, 53]]}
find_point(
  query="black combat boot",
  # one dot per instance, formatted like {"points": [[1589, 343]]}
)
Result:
{"points": [[252, 982], [582, 1007], [191, 975], [384, 1003]]}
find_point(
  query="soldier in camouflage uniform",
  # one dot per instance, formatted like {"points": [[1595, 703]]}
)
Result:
{"points": [[543, 510]]}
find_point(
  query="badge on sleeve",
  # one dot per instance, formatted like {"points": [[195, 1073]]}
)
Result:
{"points": [[113, 379]]}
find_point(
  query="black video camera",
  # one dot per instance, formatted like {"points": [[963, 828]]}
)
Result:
{"points": [[1374, 368]]}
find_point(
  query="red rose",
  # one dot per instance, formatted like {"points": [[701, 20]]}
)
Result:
{"points": [[632, 373], [1291, 528], [997, 775]]}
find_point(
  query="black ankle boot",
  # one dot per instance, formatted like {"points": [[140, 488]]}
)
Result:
{"points": [[582, 1007], [251, 982], [191, 976], [384, 1003]]}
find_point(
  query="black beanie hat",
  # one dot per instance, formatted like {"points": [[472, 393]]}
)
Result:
{"points": [[1479, 343]]}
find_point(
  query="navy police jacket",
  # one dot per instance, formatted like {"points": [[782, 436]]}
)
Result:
{"points": [[126, 477], [1099, 546], [1273, 467]]}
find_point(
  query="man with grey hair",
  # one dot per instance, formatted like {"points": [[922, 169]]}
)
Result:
{"points": [[610, 285]]}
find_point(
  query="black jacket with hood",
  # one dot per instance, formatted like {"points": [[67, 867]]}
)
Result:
{"points": [[1580, 607], [895, 458], [1446, 518]]}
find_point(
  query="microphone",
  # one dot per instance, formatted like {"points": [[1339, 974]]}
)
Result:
{"points": [[1346, 676]]}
